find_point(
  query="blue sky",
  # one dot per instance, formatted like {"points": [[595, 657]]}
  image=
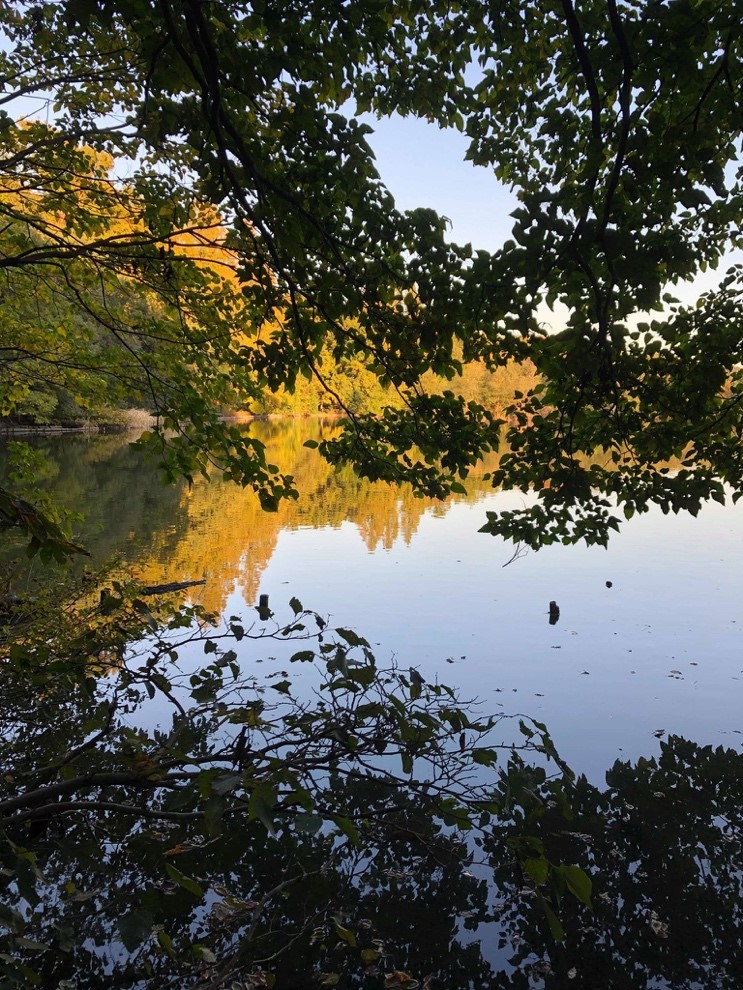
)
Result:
{"points": [[423, 165]]}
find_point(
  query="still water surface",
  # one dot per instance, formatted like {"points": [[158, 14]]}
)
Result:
{"points": [[647, 647], [658, 652]]}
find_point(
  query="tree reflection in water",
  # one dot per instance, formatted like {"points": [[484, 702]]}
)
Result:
{"points": [[663, 844], [104, 894], [212, 900]]}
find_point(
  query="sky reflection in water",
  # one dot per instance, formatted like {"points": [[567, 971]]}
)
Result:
{"points": [[661, 649]]}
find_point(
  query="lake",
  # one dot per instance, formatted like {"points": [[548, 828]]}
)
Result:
{"points": [[638, 681], [649, 640]]}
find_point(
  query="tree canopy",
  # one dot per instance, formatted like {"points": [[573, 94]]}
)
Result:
{"points": [[131, 128]]}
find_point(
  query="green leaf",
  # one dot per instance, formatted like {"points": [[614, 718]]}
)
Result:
{"points": [[538, 869], [347, 827], [555, 926], [346, 934], [260, 807], [166, 942], [224, 784], [578, 883], [11, 919], [362, 675], [352, 638], [303, 656], [203, 953], [188, 883], [32, 946], [305, 822]]}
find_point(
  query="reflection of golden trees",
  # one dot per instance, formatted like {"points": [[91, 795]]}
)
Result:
{"points": [[222, 534], [216, 530]]}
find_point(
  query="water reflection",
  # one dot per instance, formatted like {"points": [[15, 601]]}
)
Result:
{"points": [[121, 507], [650, 633], [215, 530], [664, 840], [663, 843]]}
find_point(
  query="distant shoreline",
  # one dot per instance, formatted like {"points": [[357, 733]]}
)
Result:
{"points": [[136, 424], [15, 430]]}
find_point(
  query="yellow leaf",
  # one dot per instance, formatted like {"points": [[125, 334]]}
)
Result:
{"points": [[397, 978]]}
